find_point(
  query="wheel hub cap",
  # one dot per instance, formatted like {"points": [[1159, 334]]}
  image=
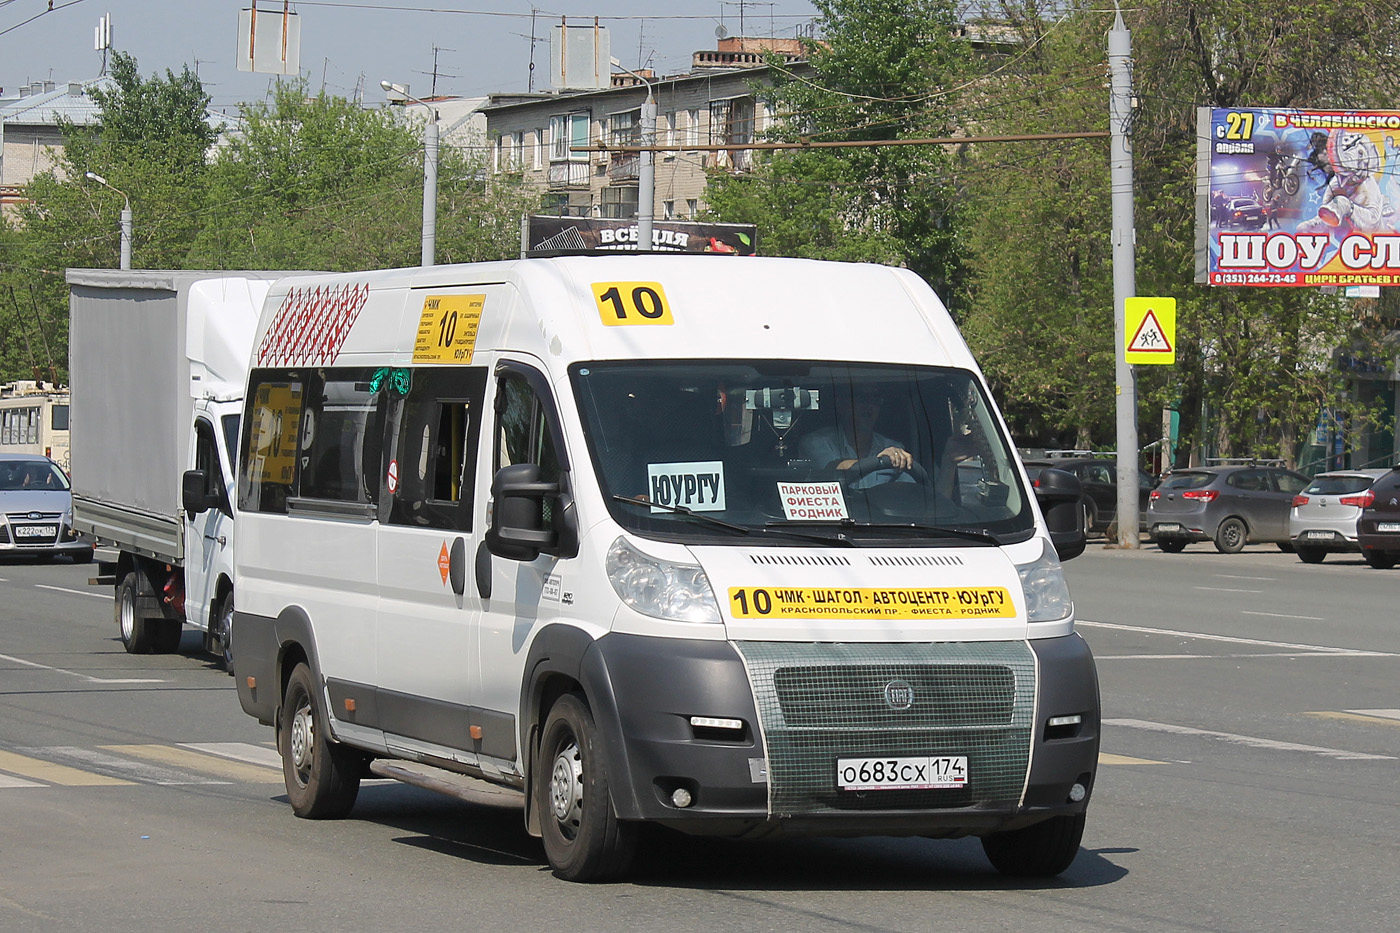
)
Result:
{"points": [[566, 786], [301, 738]]}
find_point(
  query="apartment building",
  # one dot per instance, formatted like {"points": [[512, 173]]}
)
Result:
{"points": [[718, 102]]}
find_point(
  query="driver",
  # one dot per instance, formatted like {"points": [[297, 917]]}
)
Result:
{"points": [[854, 446]]}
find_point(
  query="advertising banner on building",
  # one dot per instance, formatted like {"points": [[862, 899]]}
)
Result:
{"points": [[1298, 197], [551, 236]]}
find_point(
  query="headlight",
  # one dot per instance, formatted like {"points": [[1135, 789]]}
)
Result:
{"points": [[1047, 593], [659, 588]]}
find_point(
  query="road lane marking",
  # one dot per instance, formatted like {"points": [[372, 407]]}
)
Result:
{"points": [[64, 589], [1321, 649], [1281, 615], [7, 781], [1240, 576], [140, 771], [240, 751], [1374, 717], [1106, 759], [185, 760], [1382, 713], [1224, 589], [52, 772], [1249, 740], [88, 677]]}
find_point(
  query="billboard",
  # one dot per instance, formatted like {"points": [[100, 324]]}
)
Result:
{"points": [[551, 236], [1298, 197]]}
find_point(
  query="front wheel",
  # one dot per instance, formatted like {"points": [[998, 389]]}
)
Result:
{"points": [[1038, 851], [1172, 545], [1380, 560], [223, 636], [322, 776], [1230, 536], [1311, 555], [583, 838]]}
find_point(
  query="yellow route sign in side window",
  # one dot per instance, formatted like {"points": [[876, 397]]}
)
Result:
{"points": [[447, 328], [632, 303]]}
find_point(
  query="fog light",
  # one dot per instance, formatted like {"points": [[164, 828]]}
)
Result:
{"points": [[1064, 721], [712, 722], [681, 798], [1077, 793]]}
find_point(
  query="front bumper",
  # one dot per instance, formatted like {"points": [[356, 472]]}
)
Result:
{"points": [[40, 535], [802, 706]]}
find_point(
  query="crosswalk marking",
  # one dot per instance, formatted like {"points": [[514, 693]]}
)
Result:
{"points": [[7, 781], [182, 758], [239, 751], [1106, 759], [53, 773], [1376, 717], [140, 771]]}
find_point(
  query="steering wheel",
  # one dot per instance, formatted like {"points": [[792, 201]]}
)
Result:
{"points": [[870, 465]]}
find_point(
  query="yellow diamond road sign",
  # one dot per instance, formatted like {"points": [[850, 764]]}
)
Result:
{"points": [[1150, 329]]}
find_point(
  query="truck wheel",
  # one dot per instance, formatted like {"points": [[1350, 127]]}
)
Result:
{"points": [[223, 637], [137, 633], [1230, 536], [1042, 850], [583, 839], [1311, 555], [322, 777]]}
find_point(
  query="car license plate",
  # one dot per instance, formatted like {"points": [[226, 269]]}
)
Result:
{"points": [[35, 531], [920, 773], [1327, 535], [1166, 526], [1388, 526]]}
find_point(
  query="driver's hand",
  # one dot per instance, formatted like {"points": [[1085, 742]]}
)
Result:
{"points": [[899, 458]]}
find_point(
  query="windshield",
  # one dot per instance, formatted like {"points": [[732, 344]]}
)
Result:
{"points": [[31, 475], [802, 451]]}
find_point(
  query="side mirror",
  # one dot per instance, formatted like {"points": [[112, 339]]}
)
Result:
{"points": [[517, 530], [192, 495], [1058, 493]]}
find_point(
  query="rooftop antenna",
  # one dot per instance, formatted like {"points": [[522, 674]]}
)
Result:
{"points": [[102, 38], [436, 50]]}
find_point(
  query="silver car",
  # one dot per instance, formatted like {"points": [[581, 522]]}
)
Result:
{"points": [[36, 510], [1230, 505], [1324, 515]]}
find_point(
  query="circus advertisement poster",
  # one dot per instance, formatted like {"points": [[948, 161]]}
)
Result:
{"points": [[1299, 197]]}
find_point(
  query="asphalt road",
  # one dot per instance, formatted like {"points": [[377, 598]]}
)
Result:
{"points": [[1249, 781]]}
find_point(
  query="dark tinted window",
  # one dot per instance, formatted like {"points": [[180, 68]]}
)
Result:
{"points": [[1249, 480], [342, 436], [1187, 480], [1290, 482], [1337, 485], [433, 459], [59, 418], [267, 461]]}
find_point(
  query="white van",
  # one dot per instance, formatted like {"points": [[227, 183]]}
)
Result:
{"points": [[728, 545]]}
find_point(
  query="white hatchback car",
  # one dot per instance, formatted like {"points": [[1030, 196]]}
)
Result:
{"points": [[1324, 515]]}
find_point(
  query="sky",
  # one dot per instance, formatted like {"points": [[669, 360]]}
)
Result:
{"points": [[480, 46]]}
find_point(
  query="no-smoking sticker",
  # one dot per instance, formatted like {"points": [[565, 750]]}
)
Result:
{"points": [[393, 476]]}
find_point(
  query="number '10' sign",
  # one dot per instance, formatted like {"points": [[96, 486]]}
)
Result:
{"points": [[632, 303]]}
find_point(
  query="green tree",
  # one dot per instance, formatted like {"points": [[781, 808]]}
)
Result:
{"points": [[878, 73]]}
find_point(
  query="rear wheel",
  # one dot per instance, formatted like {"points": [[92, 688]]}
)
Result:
{"points": [[137, 633], [1286, 547], [1381, 560], [1171, 545], [1311, 555], [223, 632], [583, 838], [322, 777], [168, 635], [1230, 536], [1042, 850]]}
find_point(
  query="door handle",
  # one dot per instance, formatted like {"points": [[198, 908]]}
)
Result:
{"points": [[457, 566]]}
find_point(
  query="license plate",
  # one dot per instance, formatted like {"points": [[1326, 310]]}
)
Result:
{"points": [[35, 531], [920, 773], [1166, 526], [1388, 526], [1315, 535]]}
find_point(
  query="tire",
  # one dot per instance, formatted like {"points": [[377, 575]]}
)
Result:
{"points": [[322, 777], [583, 839], [168, 634], [223, 636], [1311, 555], [1231, 536], [1381, 560], [1286, 547], [1038, 851], [83, 558], [138, 634], [1172, 545]]}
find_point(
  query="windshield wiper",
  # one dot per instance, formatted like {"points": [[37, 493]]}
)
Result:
{"points": [[934, 530], [682, 510]]}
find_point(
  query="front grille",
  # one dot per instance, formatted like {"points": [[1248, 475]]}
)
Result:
{"points": [[20, 522], [820, 702]]}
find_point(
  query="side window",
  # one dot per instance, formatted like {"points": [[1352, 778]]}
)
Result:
{"points": [[433, 460], [268, 454], [206, 458], [1249, 480], [1289, 482], [341, 440], [523, 433]]}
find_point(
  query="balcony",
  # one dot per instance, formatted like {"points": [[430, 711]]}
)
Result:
{"points": [[568, 174], [625, 166]]}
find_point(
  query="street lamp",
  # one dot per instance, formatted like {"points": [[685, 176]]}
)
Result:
{"points": [[126, 218], [430, 172], [646, 175]]}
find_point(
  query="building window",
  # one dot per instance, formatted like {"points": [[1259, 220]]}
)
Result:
{"points": [[619, 203], [692, 207], [538, 161], [668, 210], [625, 129], [692, 122], [566, 131], [731, 123]]}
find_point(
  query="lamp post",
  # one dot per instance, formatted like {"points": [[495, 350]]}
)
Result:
{"points": [[646, 175], [125, 262], [430, 172]]}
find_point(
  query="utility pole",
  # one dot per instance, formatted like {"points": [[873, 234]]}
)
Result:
{"points": [[1120, 174], [646, 173], [430, 172]]}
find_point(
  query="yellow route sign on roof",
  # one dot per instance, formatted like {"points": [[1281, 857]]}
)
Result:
{"points": [[1150, 327]]}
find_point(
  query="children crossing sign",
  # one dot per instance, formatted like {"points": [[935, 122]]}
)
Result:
{"points": [[1150, 326]]}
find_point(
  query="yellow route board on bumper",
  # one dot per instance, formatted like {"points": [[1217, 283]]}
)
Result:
{"points": [[850, 602]]}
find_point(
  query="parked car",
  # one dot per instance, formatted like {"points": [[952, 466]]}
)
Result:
{"points": [[1244, 212], [36, 510], [1230, 505], [1378, 528], [1098, 480], [1325, 514]]}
